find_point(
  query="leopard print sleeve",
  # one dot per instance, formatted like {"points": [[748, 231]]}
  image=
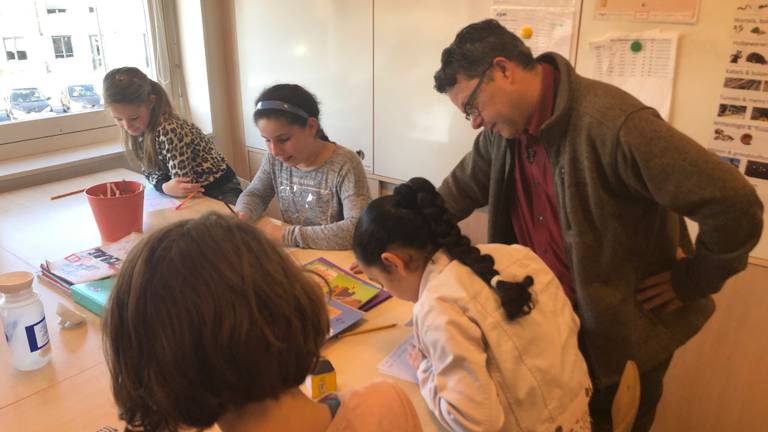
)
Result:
{"points": [[185, 151]]}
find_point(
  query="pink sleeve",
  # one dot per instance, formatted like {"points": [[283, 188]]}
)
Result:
{"points": [[378, 406]]}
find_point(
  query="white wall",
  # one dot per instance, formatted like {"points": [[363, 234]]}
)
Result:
{"points": [[323, 45], [193, 62]]}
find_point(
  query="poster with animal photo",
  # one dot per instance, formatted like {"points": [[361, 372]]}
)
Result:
{"points": [[739, 134]]}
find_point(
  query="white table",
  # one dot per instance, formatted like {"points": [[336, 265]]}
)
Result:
{"points": [[73, 392]]}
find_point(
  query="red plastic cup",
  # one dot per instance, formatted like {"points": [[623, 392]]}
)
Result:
{"points": [[117, 214]]}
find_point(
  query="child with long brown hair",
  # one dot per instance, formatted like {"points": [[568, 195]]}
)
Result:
{"points": [[174, 154], [201, 331]]}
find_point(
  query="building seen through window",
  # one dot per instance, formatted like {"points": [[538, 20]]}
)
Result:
{"points": [[57, 52]]}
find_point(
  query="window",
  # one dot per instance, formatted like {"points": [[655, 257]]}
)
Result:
{"points": [[13, 49], [62, 46], [51, 98]]}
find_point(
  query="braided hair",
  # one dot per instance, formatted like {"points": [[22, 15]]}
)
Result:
{"points": [[415, 217]]}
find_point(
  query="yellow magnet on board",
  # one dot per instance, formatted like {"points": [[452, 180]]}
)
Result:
{"points": [[526, 32]]}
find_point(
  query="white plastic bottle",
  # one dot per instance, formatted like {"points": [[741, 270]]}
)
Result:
{"points": [[23, 321]]}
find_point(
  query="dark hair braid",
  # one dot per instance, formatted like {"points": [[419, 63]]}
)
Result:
{"points": [[420, 195]]}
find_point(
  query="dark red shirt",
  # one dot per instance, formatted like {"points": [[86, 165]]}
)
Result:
{"points": [[534, 205]]}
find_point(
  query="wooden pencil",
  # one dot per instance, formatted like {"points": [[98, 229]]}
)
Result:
{"points": [[368, 330], [189, 197], [231, 209], [55, 197]]}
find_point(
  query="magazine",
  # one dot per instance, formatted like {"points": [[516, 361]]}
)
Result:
{"points": [[92, 264]]}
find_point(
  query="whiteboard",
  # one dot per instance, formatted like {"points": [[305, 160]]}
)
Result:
{"points": [[417, 131], [323, 45], [700, 70]]}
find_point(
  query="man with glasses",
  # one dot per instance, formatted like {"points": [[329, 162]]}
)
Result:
{"points": [[597, 184]]}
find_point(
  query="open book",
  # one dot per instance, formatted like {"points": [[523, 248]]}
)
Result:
{"points": [[341, 317], [346, 287]]}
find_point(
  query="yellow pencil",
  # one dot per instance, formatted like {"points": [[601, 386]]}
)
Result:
{"points": [[368, 330], [55, 197]]}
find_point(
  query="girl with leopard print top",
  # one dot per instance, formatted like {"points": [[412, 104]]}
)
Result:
{"points": [[174, 154]]}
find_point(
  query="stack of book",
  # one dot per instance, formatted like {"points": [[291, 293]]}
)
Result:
{"points": [[89, 275]]}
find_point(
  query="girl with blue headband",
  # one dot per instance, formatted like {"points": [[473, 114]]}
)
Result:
{"points": [[320, 186]]}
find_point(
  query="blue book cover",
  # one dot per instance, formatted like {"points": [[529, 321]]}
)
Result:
{"points": [[342, 316], [93, 295]]}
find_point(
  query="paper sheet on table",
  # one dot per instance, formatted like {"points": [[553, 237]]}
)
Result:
{"points": [[396, 363], [647, 74], [154, 200]]}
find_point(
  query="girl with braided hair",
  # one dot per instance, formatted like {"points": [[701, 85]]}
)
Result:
{"points": [[495, 335]]}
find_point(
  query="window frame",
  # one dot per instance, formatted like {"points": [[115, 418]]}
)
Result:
{"points": [[64, 41], [16, 50]]}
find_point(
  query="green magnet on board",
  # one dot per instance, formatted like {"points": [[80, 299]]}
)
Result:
{"points": [[635, 46]]}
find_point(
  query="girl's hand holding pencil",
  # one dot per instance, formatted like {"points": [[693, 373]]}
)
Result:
{"points": [[180, 187], [185, 200]]}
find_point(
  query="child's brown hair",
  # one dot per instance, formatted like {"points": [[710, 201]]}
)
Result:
{"points": [[129, 85], [206, 316]]}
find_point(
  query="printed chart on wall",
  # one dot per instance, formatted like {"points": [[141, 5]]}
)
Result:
{"points": [[642, 64], [544, 25], [740, 130], [671, 11]]}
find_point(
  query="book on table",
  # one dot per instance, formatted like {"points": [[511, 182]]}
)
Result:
{"points": [[347, 288], [90, 274], [91, 264], [342, 316], [93, 295]]}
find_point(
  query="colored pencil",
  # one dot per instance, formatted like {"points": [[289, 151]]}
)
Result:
{"points": [[55, 197], [368, 330], [231, 209], [189, 197]]}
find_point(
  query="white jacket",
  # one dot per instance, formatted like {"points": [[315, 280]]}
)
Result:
{"points": [[482, 372]]}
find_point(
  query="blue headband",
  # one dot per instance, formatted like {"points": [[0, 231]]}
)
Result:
{"points": [[282, 106]]}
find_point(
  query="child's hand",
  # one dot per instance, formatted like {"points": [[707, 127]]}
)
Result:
{"points": [[415, 357], [243, 216], [355, 268], [180, 187], [273, 229]]}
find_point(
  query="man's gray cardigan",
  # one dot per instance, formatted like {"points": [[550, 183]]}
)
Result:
{"points": [[624, 179]]}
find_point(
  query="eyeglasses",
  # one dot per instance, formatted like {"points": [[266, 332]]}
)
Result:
{"points": [[470, 110]]}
